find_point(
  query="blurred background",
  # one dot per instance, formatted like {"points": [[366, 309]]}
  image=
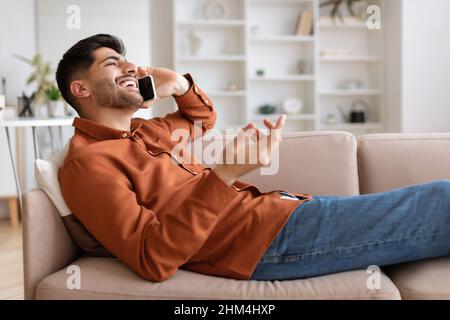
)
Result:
{"points": [[359, 66]]}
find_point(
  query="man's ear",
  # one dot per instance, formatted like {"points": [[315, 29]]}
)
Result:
{"points": [[79, 89]]}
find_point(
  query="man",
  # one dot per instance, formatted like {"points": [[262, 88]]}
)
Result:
{"points": [[158, 213]]}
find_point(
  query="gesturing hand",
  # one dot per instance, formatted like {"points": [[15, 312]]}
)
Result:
{"points": [[249, 150]]}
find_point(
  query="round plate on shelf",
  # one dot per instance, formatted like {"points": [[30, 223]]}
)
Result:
{"points": [[292, 105], [215, 9]]}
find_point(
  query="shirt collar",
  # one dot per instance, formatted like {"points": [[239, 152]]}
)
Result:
{"points": [[101, 132]]}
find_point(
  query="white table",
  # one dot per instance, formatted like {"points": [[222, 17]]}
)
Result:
{"points": [[33, 123]]}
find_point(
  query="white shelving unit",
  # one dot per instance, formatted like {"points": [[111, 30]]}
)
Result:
{"points": [[350, 51], [261, 34]]}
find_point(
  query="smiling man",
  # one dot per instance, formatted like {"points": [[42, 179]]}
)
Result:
{"points": [[158, 215], [120, 180]]}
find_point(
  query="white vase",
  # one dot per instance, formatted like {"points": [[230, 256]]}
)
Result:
{"points": [[53, 108]]}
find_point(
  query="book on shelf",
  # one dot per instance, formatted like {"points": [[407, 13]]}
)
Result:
{"points": [[304, 25]]}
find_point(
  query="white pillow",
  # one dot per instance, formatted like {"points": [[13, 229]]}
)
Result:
{"points": [[47, 179]]}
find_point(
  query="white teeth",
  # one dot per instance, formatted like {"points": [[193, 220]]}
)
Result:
{"points": [[127, 83]]}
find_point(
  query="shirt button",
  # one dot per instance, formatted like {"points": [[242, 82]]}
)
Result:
{"points": [[124, 135]]}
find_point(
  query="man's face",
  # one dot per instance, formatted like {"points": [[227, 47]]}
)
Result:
{"points": [[113, 81]]}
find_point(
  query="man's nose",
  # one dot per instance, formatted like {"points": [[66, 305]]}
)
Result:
{"points": [[130, 68]]}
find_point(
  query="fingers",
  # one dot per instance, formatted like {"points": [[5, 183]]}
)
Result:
{"points": [[142, 72], [145, 71], [280, 122], [278, 125], [269, 124]]}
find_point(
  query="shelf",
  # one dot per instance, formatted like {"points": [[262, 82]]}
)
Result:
{"points": [[262, 33], [37, 121], [227, 93], [351, 126], [351, 58], [289, 117], [209, 23], [282, 38], [306, 77], [278, 2], [356, 92], [212, 58], [348, 23]]}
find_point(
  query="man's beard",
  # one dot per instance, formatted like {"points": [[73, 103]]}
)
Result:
{"points": [[106, 94]]}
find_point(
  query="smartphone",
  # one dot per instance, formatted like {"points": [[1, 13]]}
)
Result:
{"points": [[147, 88]]}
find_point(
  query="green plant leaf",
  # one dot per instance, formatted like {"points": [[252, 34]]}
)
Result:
{"points": [[350, 7], [31, 78], [37, 59], [334, 11], [23, 59]]}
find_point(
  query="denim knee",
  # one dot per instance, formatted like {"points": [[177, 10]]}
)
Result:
{"points": [[441, 186], [441, 189]]}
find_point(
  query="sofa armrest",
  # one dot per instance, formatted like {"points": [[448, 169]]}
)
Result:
{"points": [[387, 161], [47, 246]]}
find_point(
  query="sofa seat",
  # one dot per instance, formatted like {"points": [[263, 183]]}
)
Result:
{"points": [[107, 278], [421, 280]]}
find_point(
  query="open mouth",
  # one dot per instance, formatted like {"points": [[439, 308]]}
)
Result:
{"points": [[128, 83]]}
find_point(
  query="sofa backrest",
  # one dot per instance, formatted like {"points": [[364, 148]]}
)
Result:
{"points": [[387, 161], [318, 163]]}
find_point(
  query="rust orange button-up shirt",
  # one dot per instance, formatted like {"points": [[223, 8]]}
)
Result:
{"points": [[157, 215]]}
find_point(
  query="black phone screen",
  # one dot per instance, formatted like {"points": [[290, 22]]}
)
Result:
{"points": [[147, 88]]}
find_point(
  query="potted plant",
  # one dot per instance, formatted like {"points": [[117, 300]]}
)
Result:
{"points": [[53, 96], [336, 6], [41, 76]]}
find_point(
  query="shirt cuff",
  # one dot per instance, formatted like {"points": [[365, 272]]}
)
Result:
{"points": [[194, 95]]}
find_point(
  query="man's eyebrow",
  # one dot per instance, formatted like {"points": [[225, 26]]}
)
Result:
{"points": [[117, 58]]}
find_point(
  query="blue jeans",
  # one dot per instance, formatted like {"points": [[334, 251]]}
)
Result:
{"points": [[338, 233]]}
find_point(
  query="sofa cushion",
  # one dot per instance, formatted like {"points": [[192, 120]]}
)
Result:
{"points": [[108, 278], [47, 179], [425, 279]]}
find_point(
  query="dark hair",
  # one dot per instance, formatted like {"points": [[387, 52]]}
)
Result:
{"points": [[79, 58]]}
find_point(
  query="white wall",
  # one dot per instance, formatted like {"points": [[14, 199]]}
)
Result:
{"points": [[393, 72], [426, 66], [162, 45], [17, 35], [129, 20]]}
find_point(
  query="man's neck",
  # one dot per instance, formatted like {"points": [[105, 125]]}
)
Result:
{"points": [[119, 119]]}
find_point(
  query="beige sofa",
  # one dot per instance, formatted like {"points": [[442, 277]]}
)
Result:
{"points": [[320, 163]]}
